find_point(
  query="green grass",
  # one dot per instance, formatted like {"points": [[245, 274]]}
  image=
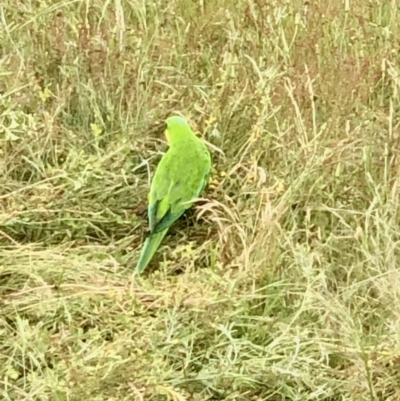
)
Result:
{"points": [[284, 284]]}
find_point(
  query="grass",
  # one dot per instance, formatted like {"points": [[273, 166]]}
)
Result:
{"points": [[283, 284]]}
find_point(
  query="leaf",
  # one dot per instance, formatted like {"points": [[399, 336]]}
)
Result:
{"points": [[12, 373], [9, 136], [45, 94], [96, 130]]}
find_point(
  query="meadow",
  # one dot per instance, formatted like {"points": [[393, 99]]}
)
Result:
{"points": [[282, 283]]}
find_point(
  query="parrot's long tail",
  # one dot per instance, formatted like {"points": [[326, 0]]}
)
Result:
{"points": [[149, 248]]}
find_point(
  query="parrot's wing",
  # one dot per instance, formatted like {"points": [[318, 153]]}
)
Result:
{"points": [[172, 190]]}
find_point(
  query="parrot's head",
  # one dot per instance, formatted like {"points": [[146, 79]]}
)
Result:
{"points": [[177, 129]]}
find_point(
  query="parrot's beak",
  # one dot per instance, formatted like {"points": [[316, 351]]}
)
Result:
{"points": [[167, 135]]}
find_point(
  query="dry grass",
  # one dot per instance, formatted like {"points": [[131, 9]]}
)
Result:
{"points": [[283, 284]]}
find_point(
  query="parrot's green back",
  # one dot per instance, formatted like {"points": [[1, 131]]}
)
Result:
{"points": [[180, 177]]}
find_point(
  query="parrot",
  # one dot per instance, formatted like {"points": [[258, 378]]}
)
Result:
{"points": [[181, 175]]}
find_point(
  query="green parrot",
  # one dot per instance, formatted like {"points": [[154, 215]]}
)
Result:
{"points": [[180, 177]]}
